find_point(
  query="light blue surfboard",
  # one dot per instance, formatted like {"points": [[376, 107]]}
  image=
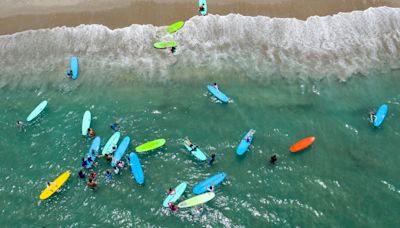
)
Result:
{"points": [[179, 190], [96, 147], [136, 168], [123, 145], [204, 3], [217, 93], [74, 67], [107, 149], [244, 145], [197, 153], [214, 180], [37, 111], [86, 122], [380, 115]]}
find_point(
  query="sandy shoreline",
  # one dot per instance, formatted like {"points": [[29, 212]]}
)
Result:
{"points": [[148, 12]]}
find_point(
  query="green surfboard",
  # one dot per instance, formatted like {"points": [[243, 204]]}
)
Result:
{"points": [[175, 27], [200, 199], [165, 44], [150, 145]]}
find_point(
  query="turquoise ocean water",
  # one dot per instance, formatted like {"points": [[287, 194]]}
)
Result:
{"points": [[286, 89]]}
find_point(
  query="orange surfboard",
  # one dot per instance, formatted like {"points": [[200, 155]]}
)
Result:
{"points": [[302, 144]]}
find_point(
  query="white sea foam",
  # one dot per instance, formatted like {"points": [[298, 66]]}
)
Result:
{"points": [[331, 46]]}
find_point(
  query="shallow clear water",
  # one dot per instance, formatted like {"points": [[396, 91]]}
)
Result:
{"points": [[348, 178]]}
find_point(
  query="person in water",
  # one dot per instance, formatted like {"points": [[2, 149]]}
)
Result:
{"points": [[91, 132], [172, 206], [201, 8], [81, 174], [114, 127], [121, 164], [114, 148], [210, 188], [69, 73], [116, 170], [190, 144], [273, 159], [84, 163], [212, 160], [92, 176], [171, 192], [108, 176], [215, 85], [92, 184], [173, 49], [20, 124], [372, 116]]}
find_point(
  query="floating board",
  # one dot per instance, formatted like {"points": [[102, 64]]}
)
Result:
{"points": [[214, 180], [120, 150], [96, 147], [74, 67], [200, 199], [37, 111], [175, 27], [136, 168], [217, 93], [150, 145], [110, 143], [59, 182], [244, 145], [302, 144], [197, 153], [86, 122], [165, 44], [174, 197], [380, 115], [201, 2]]}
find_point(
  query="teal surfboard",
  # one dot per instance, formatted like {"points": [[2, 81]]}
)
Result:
{"points": [[96, 147], [173, 197], [217, 93], [86, 122], [197, 153], [244, 145], [120, 150], [204, 4], [36, 111], [110, 143], [136, 168], [380, 115], [74, 67]]}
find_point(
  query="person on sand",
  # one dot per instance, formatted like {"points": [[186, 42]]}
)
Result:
{"points": [[212, 159], [172, 206], [49, 183], [92, 184], [108, 176], [273, 159], [91, 133], [372, 116], [171, 192], [81, 174]]}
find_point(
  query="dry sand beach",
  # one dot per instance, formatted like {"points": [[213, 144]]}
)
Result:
{"points": [[20, 16]]}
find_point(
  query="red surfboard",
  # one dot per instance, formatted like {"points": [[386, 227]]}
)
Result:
{"points": [[302, 144]]}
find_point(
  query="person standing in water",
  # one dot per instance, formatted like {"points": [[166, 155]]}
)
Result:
{"points": [[372, 116], [81, 174], [211, 161], [114, 127], [108, 176], [273, 159]]}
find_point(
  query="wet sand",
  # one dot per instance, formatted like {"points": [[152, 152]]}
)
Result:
{"points": [[25, 17]]}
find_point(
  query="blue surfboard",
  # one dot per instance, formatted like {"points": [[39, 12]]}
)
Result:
{"points": [[74, 67], [214, 180], [204, 3], [217, 93], [136, 168], [380, 115], [244, 144], [96, 147], [120, 150]]}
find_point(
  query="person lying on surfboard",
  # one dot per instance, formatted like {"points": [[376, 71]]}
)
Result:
{"points": [[210, 188], [191, 145], [250, 135], [171, 192], [50, 183], [215, 85]]}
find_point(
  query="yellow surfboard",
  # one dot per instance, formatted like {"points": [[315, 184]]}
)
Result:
{"points": [[57, 183]]}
